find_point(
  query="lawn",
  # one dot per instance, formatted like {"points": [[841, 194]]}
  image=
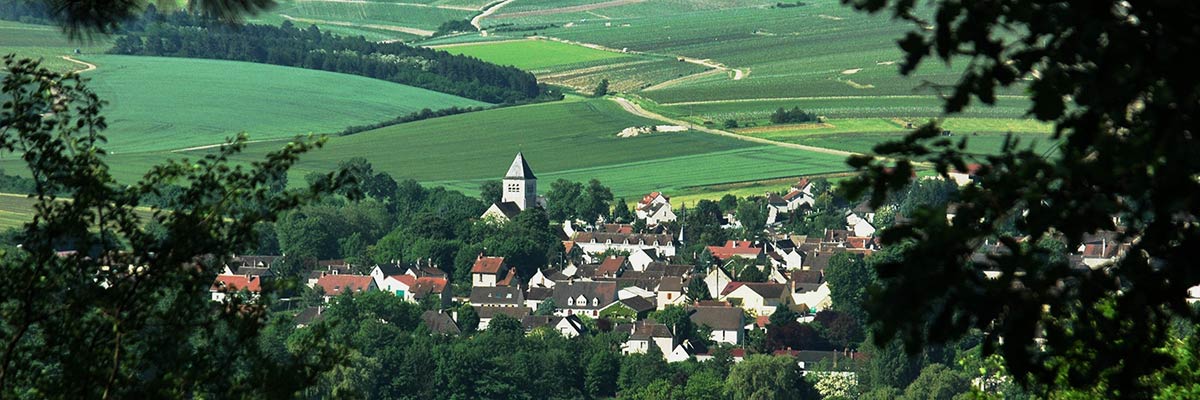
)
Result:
{"points": [[158, 103], [533, 55]]}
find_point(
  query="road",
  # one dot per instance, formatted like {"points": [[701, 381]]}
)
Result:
{"points": [[87, 65], [477, 22], [635, 109]]}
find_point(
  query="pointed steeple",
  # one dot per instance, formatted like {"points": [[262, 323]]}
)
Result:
{"points": [[519, 169]]}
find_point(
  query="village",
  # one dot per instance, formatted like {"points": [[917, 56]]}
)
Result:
{"points": [[615, 278]]}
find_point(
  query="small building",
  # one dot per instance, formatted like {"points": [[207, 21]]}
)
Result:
{"points": [[226, 285], [488, 271], [336, 284]]}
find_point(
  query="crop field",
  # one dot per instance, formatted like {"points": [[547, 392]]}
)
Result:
{"points": [[159, 103], [17, 209], [47, 43], [984, 136], [535, 55], [574, 139], [377, 20], [759, 111]]}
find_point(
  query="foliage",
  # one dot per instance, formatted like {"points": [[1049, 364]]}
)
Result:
{"points": [[1119, 112], [782, 116], [184, 36], [697, 290], [849, 277], [601, 89], [937, 382], [130, 307], [765, 377], [455, 26], [836, 385], [490, 192], [621, 213]]}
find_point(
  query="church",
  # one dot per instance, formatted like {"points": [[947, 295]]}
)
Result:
{"points": [[519, 192]]}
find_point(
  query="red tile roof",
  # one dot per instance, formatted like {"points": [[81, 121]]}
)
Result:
{"points": [[568, 245], [610, 266], [801, 184], [251, 283], [650, 197], [488, 265], [428, 285], [406, 279], [337, 283], [734, 247]]}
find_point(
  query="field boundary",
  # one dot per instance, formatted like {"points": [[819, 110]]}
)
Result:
{"points": [[635, 109], [87, 65], [847, 97]]}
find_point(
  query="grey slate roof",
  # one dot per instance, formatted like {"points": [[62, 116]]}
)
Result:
{"points": [[719, 318], [505, 295], [438, 322], [519, 169], [604, 291], [638, 304]]}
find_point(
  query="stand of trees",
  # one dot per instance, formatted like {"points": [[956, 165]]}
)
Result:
{"points": [[186, 35], [795, 115]]}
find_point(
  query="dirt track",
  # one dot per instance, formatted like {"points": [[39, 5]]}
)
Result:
{"points": [[489, 9], [635, 109], [571, 9], [87, 65]]}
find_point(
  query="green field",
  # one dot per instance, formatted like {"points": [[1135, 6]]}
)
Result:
{"points": [[17, 209], [47, 43], [534, 55], [159, 103], [574, 139], [984, 135], [375, 20]]}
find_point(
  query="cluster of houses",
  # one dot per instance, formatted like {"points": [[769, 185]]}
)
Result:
{"points": [[623, 276]]}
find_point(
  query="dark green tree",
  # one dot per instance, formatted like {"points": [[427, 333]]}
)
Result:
{"points": [[127, 313], [491, 192], [1122, 111], [697, 290], [601, 88], [621, 211]]}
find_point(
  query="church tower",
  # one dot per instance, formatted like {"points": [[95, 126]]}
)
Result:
{"points": [[520, 186]]}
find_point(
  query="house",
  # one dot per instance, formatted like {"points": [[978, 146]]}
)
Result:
{"points": [[612, 267], [636, 308], [860, 224], [498, 296], [735, 248], [309, 316], [569, 326], [810, 289], [776, 207], [643, 334], [962, 178], [336, 284], [727, 322], [600, 242], [391, 278], [440, 323], [670, 292], [536, 295], [487, 271], [487, 313], [655, 208], [755, 297], [225, 285], [716, 279], [519, 192], [685, 350], [430, 286], [800, 196], [640, 259], [586, 298]]}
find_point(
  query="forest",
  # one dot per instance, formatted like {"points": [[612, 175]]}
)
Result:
{"points": [[186, 35]]}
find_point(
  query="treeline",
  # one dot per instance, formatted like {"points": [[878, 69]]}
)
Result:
{"points": [[185, 35], [454, 26], [784, 116], [24, 11], [425, 113]]}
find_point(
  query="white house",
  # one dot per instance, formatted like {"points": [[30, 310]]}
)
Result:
{"points": [[643, 333], [758, 298], [655, 208], [598, 242], [670, 292], [569, 326], [716, 279], [225, 285], [726, 322], [860, 225], [487, 271], [639, 259]]}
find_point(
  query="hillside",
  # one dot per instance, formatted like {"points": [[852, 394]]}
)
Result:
{"points": [[159, 103]]}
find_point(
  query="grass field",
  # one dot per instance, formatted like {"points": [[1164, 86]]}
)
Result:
{"points": [[17, 209], [534, 55], [375, 20], [161, 103], [985, 136], [574, 139], [47, 43]]}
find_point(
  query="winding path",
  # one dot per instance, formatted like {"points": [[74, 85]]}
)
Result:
{"points": [[635, 109], [87, 65], [477, 22]]}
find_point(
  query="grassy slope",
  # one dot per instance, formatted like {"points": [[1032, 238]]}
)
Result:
{"points": [[172, 103], [375, 20], [47, 43], [533, 54], [575, 139]]}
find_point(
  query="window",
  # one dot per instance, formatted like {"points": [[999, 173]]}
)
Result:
{"points": [[595, 302], [570, 301], [668, 296]]}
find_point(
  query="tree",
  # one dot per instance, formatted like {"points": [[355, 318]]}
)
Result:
{"points": [[730, 124], [562, 198], [621, 213], [132, 307], [468, 319], [594, 202], [546, 307], [753, 215], [783, 316], [765, 377], [848, 278], [697, 290], [937, 382], [603, 369], [490, 192], [705, 385], [502, 323], [728, 203], [601, 88], [639, 370], [1118, 115]]}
